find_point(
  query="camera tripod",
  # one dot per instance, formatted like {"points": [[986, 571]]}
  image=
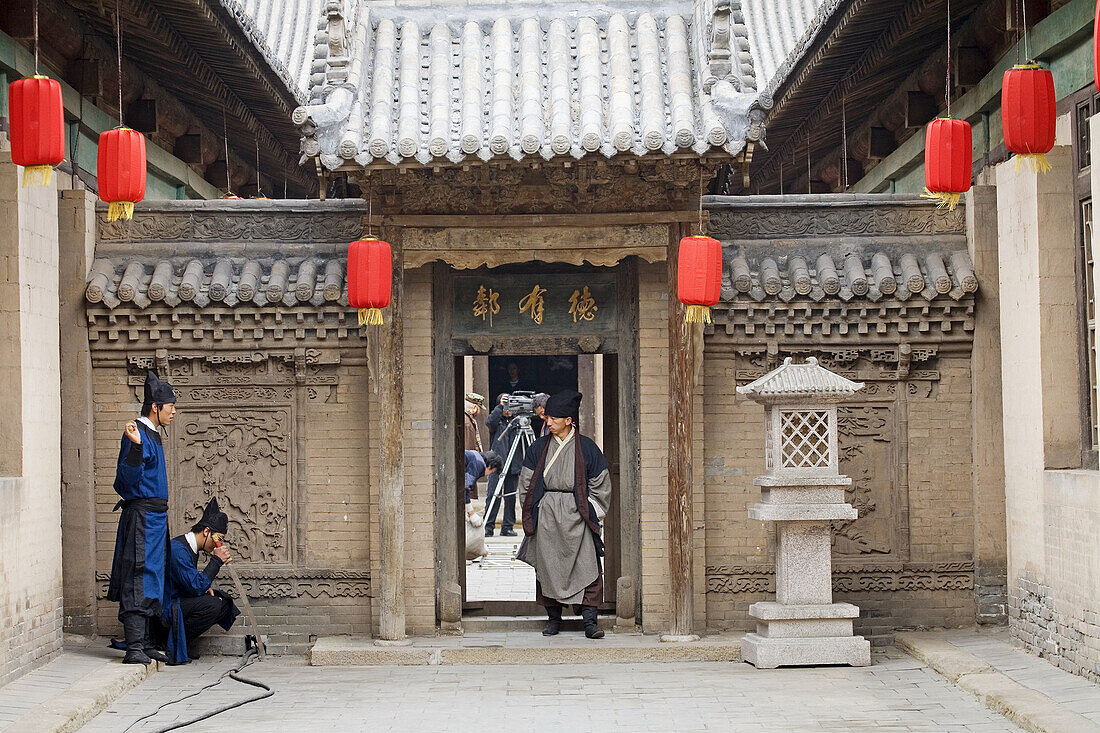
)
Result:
{"points": [[525, 437]]}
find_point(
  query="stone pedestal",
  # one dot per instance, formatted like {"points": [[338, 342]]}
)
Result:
{"points": [[803, 493], [803, 625]]}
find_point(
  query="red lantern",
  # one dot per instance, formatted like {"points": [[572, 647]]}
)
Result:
{"points": [[1027, 114], [37, 127], [370, 273], [948, 156], [120, 166], [699, 276]]}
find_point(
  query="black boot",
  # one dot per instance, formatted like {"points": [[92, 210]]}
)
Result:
{"points": [[133, 628], [591, 628], [553, 621]]}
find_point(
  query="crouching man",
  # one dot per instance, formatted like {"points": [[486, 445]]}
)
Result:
{"points": [[193, 606]]}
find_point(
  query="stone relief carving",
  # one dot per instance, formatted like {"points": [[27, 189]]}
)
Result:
{"points": [[865, 437], [886, 577], [290, 583], [848, 221], [254, 225], [242, 457]]}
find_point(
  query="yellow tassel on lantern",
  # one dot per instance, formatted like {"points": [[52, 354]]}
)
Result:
{"points": [[1037, 161], [697, 314], [370, 317], [37, 175], [945, 199], [120, 210]]}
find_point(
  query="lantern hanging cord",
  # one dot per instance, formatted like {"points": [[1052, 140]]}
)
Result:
{"points": [[225, 141], [1023, 15], [370, 211], [808, 187], [259, 190], [844, 136], [118, 48], [702, 172], [947, 83], [36, 37]]}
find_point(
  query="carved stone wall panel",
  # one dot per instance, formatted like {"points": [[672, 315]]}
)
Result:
{"points": [[866, 438], [289, 583], [876, 577], [242, 454], [808, 220]]}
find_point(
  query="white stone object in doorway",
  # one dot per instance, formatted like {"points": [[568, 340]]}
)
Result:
{"points": [[802, 492]]}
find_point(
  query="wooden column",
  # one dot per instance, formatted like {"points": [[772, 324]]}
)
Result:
{"points": [[681, 379], [391, 459]]}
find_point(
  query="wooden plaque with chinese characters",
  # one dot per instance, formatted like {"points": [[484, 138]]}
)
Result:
{"points": [[552, 304]]}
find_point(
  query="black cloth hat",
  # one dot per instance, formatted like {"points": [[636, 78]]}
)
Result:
{"points": [[157, 391], [564, 404], [213, 518]]}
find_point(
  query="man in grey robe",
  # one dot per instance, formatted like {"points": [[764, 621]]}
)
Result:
{"points": [[565, 491]]}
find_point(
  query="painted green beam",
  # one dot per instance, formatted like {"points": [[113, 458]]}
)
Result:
{"points": [[168, 175], [1057, 41]]}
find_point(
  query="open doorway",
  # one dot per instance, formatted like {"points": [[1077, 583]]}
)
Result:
{"points": [[498, 584]]}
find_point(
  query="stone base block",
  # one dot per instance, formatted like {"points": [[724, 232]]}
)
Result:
{"points": [[769, 653]]}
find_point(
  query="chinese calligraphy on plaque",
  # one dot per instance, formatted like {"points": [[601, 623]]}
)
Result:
{"points": [[485, 304], [533, 302], [582, 306], [545, 303]]}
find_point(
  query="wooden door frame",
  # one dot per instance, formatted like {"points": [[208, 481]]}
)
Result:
{"points": [[446, 409]]}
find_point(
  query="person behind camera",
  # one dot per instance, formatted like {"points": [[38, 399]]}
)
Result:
{"points": [[495, 422], [504, 484], [193, 606], [565, 494]]}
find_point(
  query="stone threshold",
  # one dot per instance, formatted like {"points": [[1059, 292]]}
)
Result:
{"points": [[1024, 706], [523, 647]]}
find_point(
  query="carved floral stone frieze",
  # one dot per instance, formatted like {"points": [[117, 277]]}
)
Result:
{"points": [[311, 583], [802, 220], [256, 225], [884, 577]]}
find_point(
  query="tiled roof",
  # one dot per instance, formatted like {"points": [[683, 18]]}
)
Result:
{"points": [[402, 84], [857, 271], [806, 381], [284, 31], [268, 278], [779, 32]]}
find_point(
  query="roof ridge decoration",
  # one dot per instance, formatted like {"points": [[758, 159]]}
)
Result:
{"points": [[446, 85], [804, 382]]}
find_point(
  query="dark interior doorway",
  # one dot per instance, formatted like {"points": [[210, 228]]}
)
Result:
{"points": [[597, 377]]}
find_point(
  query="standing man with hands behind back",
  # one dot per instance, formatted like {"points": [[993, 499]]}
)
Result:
{"points": [[141, 544]]}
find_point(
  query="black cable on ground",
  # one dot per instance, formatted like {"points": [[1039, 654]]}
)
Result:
{"points": [[233, 674]]}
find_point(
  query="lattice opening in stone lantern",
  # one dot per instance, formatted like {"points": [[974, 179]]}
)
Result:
{"points": [[804, 438]]}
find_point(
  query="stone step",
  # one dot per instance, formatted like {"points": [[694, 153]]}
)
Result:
{"points": [[522, 647], [504, 624]]}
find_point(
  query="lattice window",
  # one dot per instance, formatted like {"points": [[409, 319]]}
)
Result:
{"points": [[804, 438]]}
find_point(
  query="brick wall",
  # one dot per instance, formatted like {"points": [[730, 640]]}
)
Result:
{"points": [[419, 467], [30, 497], [1052, 507], [653, 443]]}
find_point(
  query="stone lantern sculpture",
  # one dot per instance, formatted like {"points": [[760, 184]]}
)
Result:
{"points": [[803, 493]]}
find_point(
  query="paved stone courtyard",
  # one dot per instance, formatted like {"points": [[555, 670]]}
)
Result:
{"points": [[499, 576], [896, 694]]}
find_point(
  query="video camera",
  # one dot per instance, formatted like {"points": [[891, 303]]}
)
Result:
{"points": [[520, 404]]}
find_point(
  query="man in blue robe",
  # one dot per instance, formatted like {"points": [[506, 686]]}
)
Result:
{"points": [[192, 605], [141, 544]]}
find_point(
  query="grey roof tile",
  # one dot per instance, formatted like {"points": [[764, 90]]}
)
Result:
{"points": [[551, 79]]}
